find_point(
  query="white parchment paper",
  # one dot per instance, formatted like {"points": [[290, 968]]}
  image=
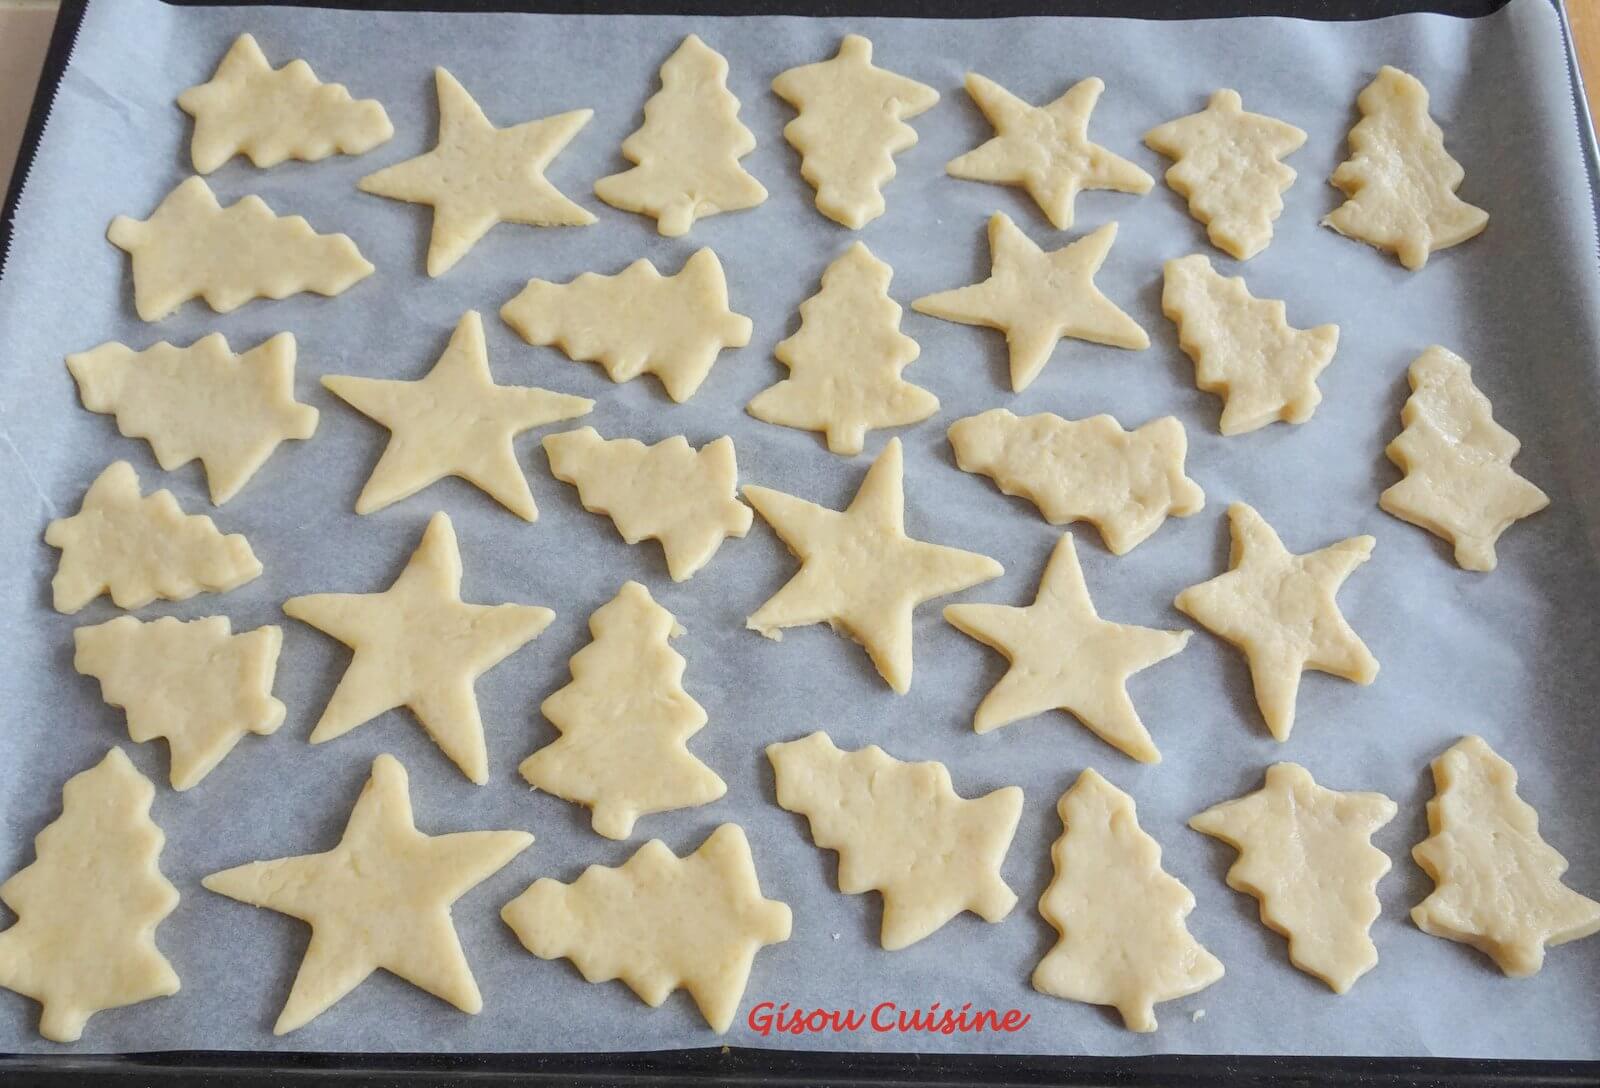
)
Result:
{"points": [[1510, 655]]}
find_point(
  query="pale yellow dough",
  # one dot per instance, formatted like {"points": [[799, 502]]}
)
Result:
{"points": [[1125, 483], [1036, 298], [859, 572], [902, 830], [671, 492], [418, 646], [1306, 853], [380, 899], [660, 922], [197, 684]]}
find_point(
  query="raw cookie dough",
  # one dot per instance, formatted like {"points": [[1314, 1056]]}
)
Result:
{"points": [[455, 421], [140, 548], [417, 645], [196, 683], [1045, 149], [845, 360], [688, 149], [1498, 883], [901, 829], [850, 126], [478, 175], [660, 923], [1036, 298], [1120, 916], [686, 498], [624, 721], [193, 247], [274, 115], [1226, 164], [380, 899], [1065, 657], [636, 322], [1125, 483], [859, 572], [1243, 347], [202, 401], [1306, 853], [1400, 181], [1459, 482], [1279, 608]]}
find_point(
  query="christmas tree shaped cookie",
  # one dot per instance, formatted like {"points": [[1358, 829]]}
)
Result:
{"points": [[141, 548], [1226, 162], [1497, 882], [1399, 180], [88, 906], [901, 829], [845, 360], [1119, 915], [1459, 482], [688, 149], [1243, 347], [671, 492], [660, 923], [193, 247], [636, 322], [850, 127], [1306, 853], [271, 115], [197, 684], [203, 401], [1036, 298], [1125, 483], [624, 722]]}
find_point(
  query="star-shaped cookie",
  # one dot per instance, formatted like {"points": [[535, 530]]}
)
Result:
{"points": [[479, 175], [1036, 298], [859, 571], [380, 899], [1279, 609]]}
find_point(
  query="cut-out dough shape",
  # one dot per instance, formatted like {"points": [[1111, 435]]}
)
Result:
{"points": [[1120, 916], [1279, 608], [197, 684], [1036, 298], [1045, 149], [417, 645], [1243, 347], [454, 421], [1498, 883], [203, 401], [687, 151], [850, 126], [660, 923], [478, 175], [141, 548], [380, 899], [88, 907], [1226, 163], [193, 247], [1065, 657], [625, 720], [859, 571], [1459, 482], [686, 498], [275, 115], [1400, 181], [1306, 853], [845, 360], [636, 322], [1125, 483], [901, 829]]}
